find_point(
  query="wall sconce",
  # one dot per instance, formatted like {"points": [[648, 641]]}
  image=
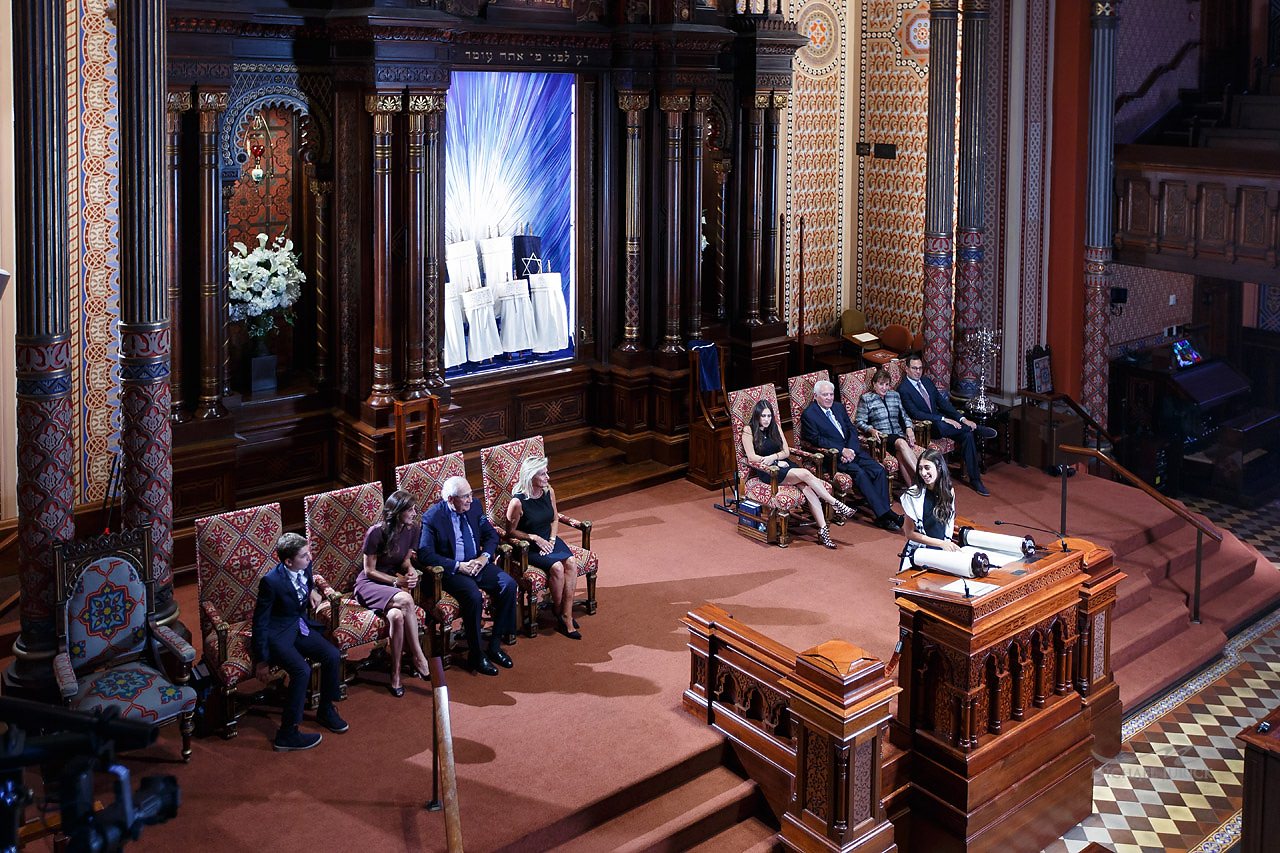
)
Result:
{"points": [[255, 145], [1119, 297]]}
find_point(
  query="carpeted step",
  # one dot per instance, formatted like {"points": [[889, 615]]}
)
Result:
{"points": [[749, 836], [1230, 565], [1168, 555], [678, 819], [1187, 651], [1256, 595], [1149, 626]]}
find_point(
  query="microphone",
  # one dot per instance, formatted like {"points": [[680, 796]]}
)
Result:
{"points": [[1053, 533]]}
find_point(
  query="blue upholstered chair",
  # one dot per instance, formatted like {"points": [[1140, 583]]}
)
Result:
{"points": [[109, 646]]}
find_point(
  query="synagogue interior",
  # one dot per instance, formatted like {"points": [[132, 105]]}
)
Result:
{"points": [[711, 425]]}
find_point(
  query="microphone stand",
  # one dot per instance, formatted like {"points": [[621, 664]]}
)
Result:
{"points": [[1062, 537]]}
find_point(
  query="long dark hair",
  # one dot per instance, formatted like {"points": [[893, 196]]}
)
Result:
{"points": [[944, 494], [759, 434], [392, 507]]}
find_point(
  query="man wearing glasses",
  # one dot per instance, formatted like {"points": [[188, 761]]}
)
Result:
{"points": [[923, 402]]}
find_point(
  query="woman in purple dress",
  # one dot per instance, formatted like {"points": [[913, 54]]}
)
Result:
{"points": [[386, 582], [532, 516]]}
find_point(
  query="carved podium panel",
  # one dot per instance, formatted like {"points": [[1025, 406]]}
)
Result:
{"points": [[991, 707]]}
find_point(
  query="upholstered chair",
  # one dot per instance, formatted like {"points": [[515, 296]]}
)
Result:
{"points": [[336, 524], [112, 656], [425, 480], [800, 389], [500, 469]]}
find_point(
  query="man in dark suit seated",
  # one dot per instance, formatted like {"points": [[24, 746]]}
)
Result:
{"points": [[458, 537], [285, 635], [826, 425], [923, 402]]}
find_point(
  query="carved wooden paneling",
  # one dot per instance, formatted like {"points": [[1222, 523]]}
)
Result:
{"points": [[541, 414], [205, 493], [477, 429], [1199, 211], [274, 466]]}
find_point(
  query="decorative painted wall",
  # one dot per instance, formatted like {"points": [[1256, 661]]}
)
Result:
{"points": [[1150, 34], [265, 205], [817, 170], [93, 178], [1148, 312]]}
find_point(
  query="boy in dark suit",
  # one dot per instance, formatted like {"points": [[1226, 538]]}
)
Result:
{"points": [[458, 537], [285, 635], [824, 424], [923, 402]]}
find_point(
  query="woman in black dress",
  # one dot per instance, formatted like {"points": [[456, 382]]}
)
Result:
{"points": [[386, 582], [765, 446], [532, 515]]}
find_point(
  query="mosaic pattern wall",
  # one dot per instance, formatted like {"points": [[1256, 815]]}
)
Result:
{"points": [[1149, 34], [1027, 220], [893, 108], [93, 183], [816, 186]]}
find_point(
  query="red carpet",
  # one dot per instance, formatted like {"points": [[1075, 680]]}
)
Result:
{"points": [[578, 730]]}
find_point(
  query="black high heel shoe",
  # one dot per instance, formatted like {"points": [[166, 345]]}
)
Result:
{"points": [[562, 628], [824, 536]]}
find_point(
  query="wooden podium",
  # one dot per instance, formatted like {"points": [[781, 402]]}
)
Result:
{"points": [[999, 731]]}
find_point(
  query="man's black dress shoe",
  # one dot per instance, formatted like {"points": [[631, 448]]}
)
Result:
{"points": [[483, 667], [980, 488], [330, 719], [887, 522], [501, 658], [985, 432]]}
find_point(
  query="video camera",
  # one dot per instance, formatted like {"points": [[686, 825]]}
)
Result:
{"points": [[72, 746]]}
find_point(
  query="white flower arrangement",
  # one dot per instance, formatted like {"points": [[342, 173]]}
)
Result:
{"points": [[264, 283]]}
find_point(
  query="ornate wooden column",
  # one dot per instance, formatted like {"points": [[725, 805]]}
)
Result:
{"points": [[416, 237], [939, 189], [970, 223], [674, 107], [322, 192], [839, 703], [1099, 227], [769, 207], [633, 103], [383, 108], [177, 104], [693, 237], [213, 259], [434, 152], [146, 437], [723, 166], [42, 348], [753, 206]]}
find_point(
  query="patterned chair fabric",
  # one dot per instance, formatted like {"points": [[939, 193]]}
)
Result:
{"points": [[109, 647], [233, 551], [800, 389], [425, 481], [854, 385], [500, 470]]}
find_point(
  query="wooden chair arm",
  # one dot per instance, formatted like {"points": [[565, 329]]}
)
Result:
{"points": [[515, 557], [584, 527], [220, 627]]}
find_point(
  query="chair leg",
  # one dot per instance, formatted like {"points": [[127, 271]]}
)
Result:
{"points": [[187, 724], [313, 688], [229, 719], [531, 614], [591, 594]]}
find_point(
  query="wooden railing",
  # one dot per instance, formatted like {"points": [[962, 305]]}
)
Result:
{"points": [[1156, 73], [1202, 529], [1199, 211], [1051, 399], [444, 782]]}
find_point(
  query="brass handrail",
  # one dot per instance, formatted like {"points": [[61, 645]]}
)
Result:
{"points": [[443, 773], [1202, 529]]}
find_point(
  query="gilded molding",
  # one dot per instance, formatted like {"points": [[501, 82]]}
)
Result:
{"points": [[426, 103], [674, 103], [701, 103], [781, 100], [382, 104], [1104, 10], [320, 189], [212, 101], [633, 101], [178, 102], [722, 166], [761, 100], [944, 5]]}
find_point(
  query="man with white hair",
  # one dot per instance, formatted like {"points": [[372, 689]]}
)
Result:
{"points": [[824, 424], [458, 537]]}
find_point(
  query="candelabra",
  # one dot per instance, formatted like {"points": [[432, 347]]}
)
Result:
{"points": [[985, 344]]}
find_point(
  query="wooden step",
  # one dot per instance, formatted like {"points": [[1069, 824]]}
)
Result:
{"points": [[598, 484], [678, 819]]}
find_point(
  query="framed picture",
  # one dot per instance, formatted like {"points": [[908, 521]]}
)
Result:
{"points": [[1041, 375], [1039, 370]]}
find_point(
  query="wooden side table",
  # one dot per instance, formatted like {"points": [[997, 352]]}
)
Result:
{"points": [[1000, 448], [1260, 818]]}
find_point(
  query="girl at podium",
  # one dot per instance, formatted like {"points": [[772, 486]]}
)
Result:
{"points": [[929, 507]]}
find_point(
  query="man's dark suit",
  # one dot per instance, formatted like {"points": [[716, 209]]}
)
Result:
{"points": [[277, 640], [934, 410], [868, 474], [436, 547]]}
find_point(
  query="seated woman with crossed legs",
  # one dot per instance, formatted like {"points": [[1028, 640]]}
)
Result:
{"points": [[765, 446], [532, 515], [880, 414], [386, 582]]}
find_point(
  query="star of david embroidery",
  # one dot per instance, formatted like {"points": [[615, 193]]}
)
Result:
{"points": [[528, 262], [108, 610]]}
